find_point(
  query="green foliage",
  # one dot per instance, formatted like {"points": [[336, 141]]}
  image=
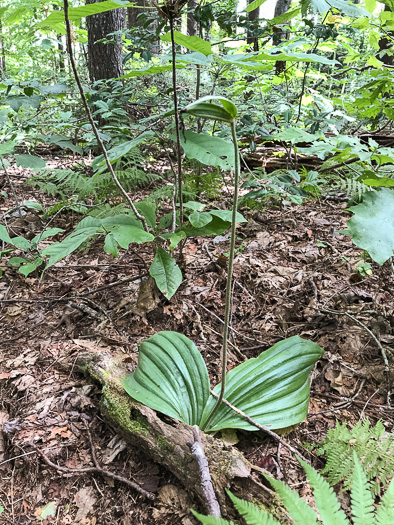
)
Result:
{"points": [[73, 182], [166, 273], [372, 225], [328, 506], [32, 258], [373, 446], [171, 378]]}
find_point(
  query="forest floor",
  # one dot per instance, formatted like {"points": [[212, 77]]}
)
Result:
{"points": [[294, 275]]}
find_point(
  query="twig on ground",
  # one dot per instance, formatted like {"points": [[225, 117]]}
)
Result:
{"points": [[94, 470], [197, 449], [231, 328], [261, 427], [379, 344], [342, 404]]}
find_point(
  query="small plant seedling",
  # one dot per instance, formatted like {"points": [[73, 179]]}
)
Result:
{"points": [[364, 268]]}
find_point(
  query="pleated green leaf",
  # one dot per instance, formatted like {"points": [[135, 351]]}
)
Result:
{"points": [[272, 389], [171, 377], [203, 108]]}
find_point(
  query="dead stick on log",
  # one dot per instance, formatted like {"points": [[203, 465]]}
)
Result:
{"points": [[197, 449], [263, 428], [379, 344], [94, 470]]}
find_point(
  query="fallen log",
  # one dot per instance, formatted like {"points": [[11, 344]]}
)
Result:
{"points": [[166, 441]]}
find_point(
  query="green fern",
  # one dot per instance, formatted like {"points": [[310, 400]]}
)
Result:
{"points": [[373, 446], [352, 187], [330, 513]]}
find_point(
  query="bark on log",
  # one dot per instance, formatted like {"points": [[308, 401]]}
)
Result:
{"points": [[166, 440], [271, 161]]}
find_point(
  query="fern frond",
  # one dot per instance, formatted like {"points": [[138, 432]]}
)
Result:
{"points": [[297, 507], [210, 520], [374, 449], [326, 501], [362, 501], [385, 512], [252, 514]]}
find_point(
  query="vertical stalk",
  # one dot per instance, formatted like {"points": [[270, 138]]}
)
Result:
{"points": [[178, 141], [91, 121], [227, 310]]}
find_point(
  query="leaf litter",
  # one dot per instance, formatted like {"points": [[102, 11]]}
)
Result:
{"points": [[291, 266]]}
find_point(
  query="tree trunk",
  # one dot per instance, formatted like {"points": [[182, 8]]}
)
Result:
{"points": [[166, 440], [386, 43], [191, 21], [105, 60], [281, 7], [252, 17], [133, 20]]}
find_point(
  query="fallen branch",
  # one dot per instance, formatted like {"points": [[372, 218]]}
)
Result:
{"points": [[197, 449], [166, 441]]}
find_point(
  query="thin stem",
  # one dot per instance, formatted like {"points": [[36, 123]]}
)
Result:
{"points": [[17, 204], [178, 140], [227, 310], [93, 125]]}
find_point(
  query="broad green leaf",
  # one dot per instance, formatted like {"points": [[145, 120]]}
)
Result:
{"points": [[99, 165], [54, 89], [292, 13], [200, 219], [111, 245], [226, 215], [125, 235], [50, 232], [166, 273], [152, 70], [254, 5], [194, 43], [85, 229], [194, 205], [203, 108], [17, 261], [28, 268], [4, 236], [30, 161], [47, 511], [216, 227], [64, 143], [251, 61], [372, 225], [76, 13], [20, 101], [209, 150], [371, 179], [7, 147], [194, 58], [148, 210], [273, 388], [171, 377], [344, 6], [175, 238], [33, 205]]}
